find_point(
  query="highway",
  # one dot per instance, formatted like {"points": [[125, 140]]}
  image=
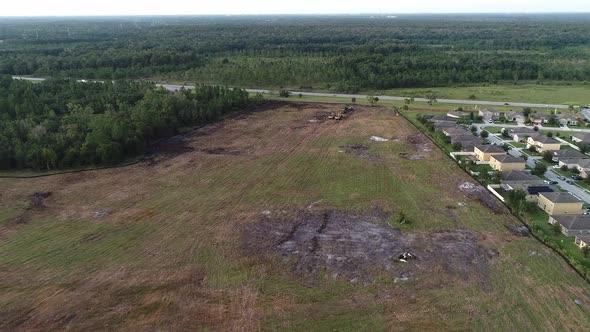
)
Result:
{"points": [[173, 87]]}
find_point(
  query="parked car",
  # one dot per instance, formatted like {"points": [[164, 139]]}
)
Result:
{"points": [[570, 182], [562, 178], [555, 166], [553, 182], [576, 177], [490, 121]]}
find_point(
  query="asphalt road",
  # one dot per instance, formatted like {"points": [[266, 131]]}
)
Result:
{"points": [[173, 87]]}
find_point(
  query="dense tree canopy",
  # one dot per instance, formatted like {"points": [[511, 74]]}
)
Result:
{"points": [[341, 53], [64, 123]]}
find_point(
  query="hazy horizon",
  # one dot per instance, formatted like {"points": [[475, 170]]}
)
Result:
{"points": [[61, 8]]}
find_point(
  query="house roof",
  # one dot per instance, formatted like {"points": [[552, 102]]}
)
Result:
{"points": [[465, 138], [521, 130], [575, 222], [443, 118], [567, 117], [570, 154], [519, 176], [544, 139], [561, 198], [508, 159], [490, 148], [456, 131], [514, 115], [584, 163], [584, 238], [458, 113], [445, 124], [540, 116], [535, 190], [489, 111], [582, 136]]}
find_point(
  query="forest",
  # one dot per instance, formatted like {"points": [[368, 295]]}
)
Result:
{"points": [[63, 123], [338, 53]]}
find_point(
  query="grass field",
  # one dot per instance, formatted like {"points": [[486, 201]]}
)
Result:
{"points": [[578, 94], [168, 253]]}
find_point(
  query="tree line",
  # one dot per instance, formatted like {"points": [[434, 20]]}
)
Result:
{"points": [[63, 123], [340, 53]]}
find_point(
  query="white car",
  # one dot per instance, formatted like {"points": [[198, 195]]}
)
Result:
{"points": [[555, 166]]}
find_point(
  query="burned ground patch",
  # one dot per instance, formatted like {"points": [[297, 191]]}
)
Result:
{"points": [[223, 151], [363, 247], [167, 149], [477, 192], [361, 151]]}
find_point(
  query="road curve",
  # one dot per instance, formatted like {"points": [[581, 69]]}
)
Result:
{"points": [[173, 87]]}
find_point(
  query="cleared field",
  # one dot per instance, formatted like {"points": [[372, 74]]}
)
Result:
{"points": [[186, 240]]}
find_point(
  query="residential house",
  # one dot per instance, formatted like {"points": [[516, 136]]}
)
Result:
{"points": [[582, 241], [572, 225], [539, 118], [517, 117], [506, 162], [520, 177], [441, 118], [520, 134], [532, 192], [543, 143], [581, 138], [458, 114], [444, 124], [490, 114], [568, 154], [559, 203], [567, 120], [454, 131], [582, 165], [485, 152], [585, 113]]}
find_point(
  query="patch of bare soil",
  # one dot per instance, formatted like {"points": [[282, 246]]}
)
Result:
{"points": [[167, 149], [479, 193], [361, 247], [420, 142], [222, 151], [361, 151], [38, 199], [519, 230]]}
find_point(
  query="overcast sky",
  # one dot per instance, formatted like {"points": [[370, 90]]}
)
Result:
{"points": [[202, 7]]}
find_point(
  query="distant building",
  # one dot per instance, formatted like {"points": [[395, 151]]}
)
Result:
{"points": [[520, 134], [543, 143], [517, 117], [581, 138], [507, 162], [559, 203], [567, 120], [490, 114], [582, 241], [539, 118], [485, 152], [568, 154], [572, 225]]}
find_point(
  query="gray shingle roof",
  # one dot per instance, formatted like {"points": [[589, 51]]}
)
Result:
{"points": [[490, 148], [519, 176], [561, 198], [505, 159], [575, 222]]}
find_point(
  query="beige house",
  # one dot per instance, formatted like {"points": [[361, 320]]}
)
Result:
{"points": [[506, 162], [582, 165], [485, 152], [543, 143], [559, 203], [583, 241]]}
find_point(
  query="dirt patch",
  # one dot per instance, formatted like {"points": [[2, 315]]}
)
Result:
{"points": [[477, 192], [361, 247], [38, 199], [420, 142], [361, 151], [519, 230], [167, 149], [222, 151]]}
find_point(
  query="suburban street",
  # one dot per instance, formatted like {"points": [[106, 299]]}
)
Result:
{"points": [[173, 87]]}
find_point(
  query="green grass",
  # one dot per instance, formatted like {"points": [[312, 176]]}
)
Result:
{"points": [[528, 93], [518, 145], [174, 245]]}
